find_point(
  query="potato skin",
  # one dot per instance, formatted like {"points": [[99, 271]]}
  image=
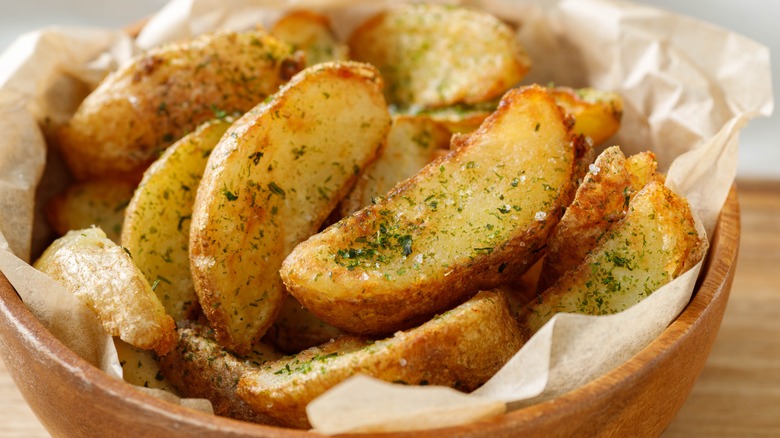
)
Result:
{"points": [[461, 348], [474, 219], [269, 184], [137, 111]]}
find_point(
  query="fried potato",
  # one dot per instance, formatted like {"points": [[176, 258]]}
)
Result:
{"points": [[412, 143], [310, 32], [474, 219], [103, 277], [270, 183], [83, 204], [436, 56], [146, 105], [140, 367], [461, 348], [597, 114], [157, 222], [199, 368], [296, 329], [601, 200], [653, 244]]}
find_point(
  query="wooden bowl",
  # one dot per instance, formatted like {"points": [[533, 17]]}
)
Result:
{"points": [[639, 398]]}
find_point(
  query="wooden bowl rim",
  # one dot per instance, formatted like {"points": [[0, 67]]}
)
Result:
{"points": [[717, 274]]}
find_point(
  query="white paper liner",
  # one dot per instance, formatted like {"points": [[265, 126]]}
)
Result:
{"points": [[688, 86]]}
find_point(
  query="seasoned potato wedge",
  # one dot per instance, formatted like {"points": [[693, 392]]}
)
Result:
{"points": [[157, 222], [83, 204], [198, 367], [412, 143], [140, 367], [474, 219], [461, 348], [601, 200], [270, 183], [146, 105], [436, 56], [310, 32], [654, 243], [296, 329], [102, 276], [597, 114]]}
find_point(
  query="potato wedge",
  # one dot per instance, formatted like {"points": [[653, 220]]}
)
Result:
{"points": [[474, 219], [270, 183], [461, 348], [435, 55], [102, 276], [199, 367], [83, 204], [597, 114], [312, 33], [296, 329], [146, 105], [601, 200], [140, 367], [412, 143], [653, 244], [157, 221]]}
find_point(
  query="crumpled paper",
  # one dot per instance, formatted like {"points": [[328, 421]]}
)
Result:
{"points": [[688, 86]]}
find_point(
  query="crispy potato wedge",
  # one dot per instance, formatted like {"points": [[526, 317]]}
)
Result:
{"points": [[157, 221], [653, 244], [140, 367], [102, 276], [311, 33], [83, 204], [412, 143], [461, 348], [296, 329], [601, 200], [435, 55], [597, 114], [146, 105], [199, 367], [270, 183], [474, 219]]}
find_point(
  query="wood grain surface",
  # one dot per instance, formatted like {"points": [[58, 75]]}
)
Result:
{"points": [[738, 393]]}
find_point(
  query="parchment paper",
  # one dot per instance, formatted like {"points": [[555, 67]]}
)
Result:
{"points": [[689, 87]]}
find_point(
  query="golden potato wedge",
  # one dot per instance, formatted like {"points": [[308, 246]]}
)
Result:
{"points": [[601, 200], [147, 104], [654, 243], [435, 55], [102, 275], [83, 204], [474, 219], [311, 33], [270, 183], [198, 367], [597, 114], [140, 367], [461, 348], [412, 143], [296, 329], [157, 222]]}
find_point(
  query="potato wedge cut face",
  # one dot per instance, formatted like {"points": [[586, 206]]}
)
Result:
{"points": [[157, 222], [311, 33], [461, 348], [435, 56], [471, 220], [153, 101], [140, 367], [270, 183], [597, 114], [102, 276], [655, 243]]}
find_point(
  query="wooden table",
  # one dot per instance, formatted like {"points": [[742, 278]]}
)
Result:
{"points": [[738, 393]]}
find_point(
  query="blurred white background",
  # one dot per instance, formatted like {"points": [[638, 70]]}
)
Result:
{"points": [[757, 19]]}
